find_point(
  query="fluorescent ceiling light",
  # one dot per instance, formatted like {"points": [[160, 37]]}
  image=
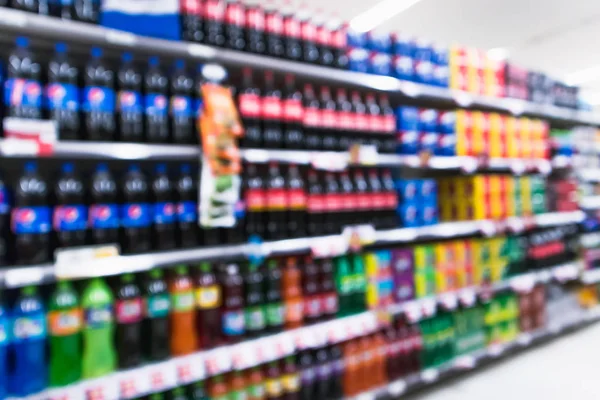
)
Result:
{"points": [[380, 13], [584, 75]]}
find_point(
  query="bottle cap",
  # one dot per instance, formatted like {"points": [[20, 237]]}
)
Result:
{"points": [[60, 47], [30, 166], [153, 61], [127, 57], [22, 41], [181, 270], [96, 52], [127, 278], [102, 167], [179, 64], [156, 273], [185, 168], [68, 167], [161, 168], [29, 290]]}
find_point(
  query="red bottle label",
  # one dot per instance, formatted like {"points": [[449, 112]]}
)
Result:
{"points": [[276, 199], [339, 39], [309, 31], [255, 19], [214, 10], [329, 303], [271, 107], [345, 120], [374, 123], [361, 122], [391, 200], [329, 119], [389, 124], [333, 202], [274, 23], [324, 36], [291, 28], [312, 117], [363, 201], [315, 203], [292, 110], [249, 105], [235, 15], [255, 200], [349, 202], [296, 199], [129, 311], [378, 200], [312, 306], [191, 7]]}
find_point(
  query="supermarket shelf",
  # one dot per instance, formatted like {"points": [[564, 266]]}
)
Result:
{"points": [[590, 202], [51, 29], [463, 364]]}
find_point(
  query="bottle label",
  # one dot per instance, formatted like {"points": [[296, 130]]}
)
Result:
{"points": [[333, 202], [214, 10], [291, 383], [233, 323], [158, 305], [391, 200], [31, 219], [97, 98], [346, 284], [291, 28], [156, 105], [274, 23], [361, 122], [70, 218], [312, 117], [129, 311], [198, 108], [164, 213], [276, 199], [324, 371], [208, 297], [190, 7], [22, 92], [296, 199], [255, 318], [104, 216], [339, 39], [4, 200], [255, 200], [129, 101], [187, 211], [181, 106], [183, 302], [363, 201], [307, 376], [294, 310], [309, 31], [324, 36], [234, 14], [65, 322], [98, 317], [390, 123], [292, 110], [257, 391], [349, 201], [4, 333], [275, 314], [315, 203], [271, 107], [345, 120], [33, 327], [378, 200], [273, 387], [62, 96], [249, 105], [329, 303], [255, 19], [328, 119], [312, 306], [238, 395], [359, 283], [135, 215]]}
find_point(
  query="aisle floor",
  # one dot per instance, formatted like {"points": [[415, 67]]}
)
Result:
{"points": [[566, 368]]}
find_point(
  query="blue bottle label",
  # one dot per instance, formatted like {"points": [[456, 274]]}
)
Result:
{"points": [[104, 216], [181, 106], [135, 215], [129, 101], [31, 327], [30, 219], [98, 317], [70, 218], [22, 92], [198, 108], [156, 104], [62, 96], [97, 98], [4, 200], [4, 332], [187, 211], [233, 323], [158, 306], [164, 213]]}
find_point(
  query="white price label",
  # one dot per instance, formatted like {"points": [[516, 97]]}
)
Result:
{"points": [[518, 167], [120, 37], [488, 228], [218, 361], [524, 339], [336, 332], [14, 18], [25, 276], [304, 338], [69, 261], [103, 389], [413, 311], [468, 297], [201, 51], [396, 388], [329, 161], [162, 376], [74, 392], [430, 375], [244, 355], [428, 306], [465, 362], [524, 283], [449, 300], [266, 350], [496, 350], [128, 385], [284, 345]]}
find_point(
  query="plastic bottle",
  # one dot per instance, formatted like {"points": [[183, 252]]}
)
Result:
{"points": [[324, 40], [196, 391], [98, 99], [344, 284], [292, 294], [192, 21], [62, 94], [129, 316], [70, 217], [130, 106], [311, 120], [255, 311], [333, 204], [214, 22], [308, 32], [232, 311], [324, 369], [255, 27], [156, 85], [273, 384], [345, 119], [296, 202], [348, 199], [256, 384], [65, 319], [87, 10], [336, 389], [315, 205], [163, 232], [237, 386], [104, 210], [187, 208], [363, 198], [290, 380], [235, 22], [29, 370], [30, 6], [276, 203], [217, 388], [22, 88], [378, 200], [208, 302], [361, 122], [391, 200], [30, 218], [308, 375], [155, 327], [310, 292], [181, 111], [329, 123], [273, 295], [339, 43], [359, 284], [352, 362], [292, 114], [5, 225], [249, 105], [136, 214], [274, 30], [292, 33], [5, 343], [389, 125], [271, 113], [255, 198], [184, 338], [327, 292], [99, 355]]}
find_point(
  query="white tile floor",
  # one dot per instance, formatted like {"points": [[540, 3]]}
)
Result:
{"points": [[564, 369]]}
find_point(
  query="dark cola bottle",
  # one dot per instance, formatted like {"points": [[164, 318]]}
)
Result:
{"points": [[296, 202], [156, 87], [255, 199], [276, 203], [26, 5], [214, 22], [62, 94], [324, 40], [129, 101], [181, 115], [389, 125], [187, 208], [311, 119], [308, 32], [87, 10], [22, 89], [274, 30], [348, 199], [293, 136], [363, 201], [377, 199], [255, 27], [99, 99], [361, 121], [164, 210], [391, 199], [104, 207], [271, 112], [328, 121], [315, 205], [292, 34], [192, 20], [129, 316], [333, 204], [70, 218], [249, 106], [339, 44], [345, 121], [235, 22], [374, 121]]}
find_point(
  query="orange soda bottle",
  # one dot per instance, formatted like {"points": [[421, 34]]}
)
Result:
{"points": [[292, 294], [184, 338]]}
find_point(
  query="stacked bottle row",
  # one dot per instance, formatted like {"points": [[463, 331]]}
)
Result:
{"points": [[80, 10]]}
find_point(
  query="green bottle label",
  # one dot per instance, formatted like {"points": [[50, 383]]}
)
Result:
{"points": [[255, 318], [359, 283], [257, 391], [183, 302], [275, 314], [238, 395], [157, 306], [346, 284], [98, 317]]}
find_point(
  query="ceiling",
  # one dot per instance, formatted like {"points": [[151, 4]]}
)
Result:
{"points": [[554, 36]]}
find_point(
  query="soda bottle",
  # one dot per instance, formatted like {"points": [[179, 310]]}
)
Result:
{"points": [[311, 120], [290, 380], [62, 94], [187, 208], [256, 384], [324, 373], [129, 101], [70, 214], [292, 32], [214, 28], [377, 199], [363, 197], [391, 200], [217, 389], [208, 302], [315, 205], [22, 88], [271, 112], [296, 202], [235, 22], [155, 326], [164, 210], [99, 355], [30, 6], [361, 121], [135, 212], [87, 10], [98, 103], [293, 114], [336, 390], [5, 224], [30, 218], [308, 375], [359, 296], [324, 40], [310, 292], [249, 105], [104, 210], [192, 20], [367, 369], [328, 295], [379, 348], [156, 85], [333, 204], [181, 108], [274, 30], [273, 384], [292, 294], [128, 311], [65, 320], [273, 294], [352, 359], [345, 118], [308, 32], [339, 45], [389, 125], [329, 123], [232, 310], [344, 284], [255, 198], [276, 203], [184, 337], [255, 311], [255, 27], [348, 199], [237, 386], [5, 343], [198, 107]]}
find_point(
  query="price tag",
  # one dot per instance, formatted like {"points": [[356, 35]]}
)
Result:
{"points": [[198, 50], [354, 328], [396, 388], [366, 396], [329, 161], [544, 167], [103, 389], [336, 332], [284, 344], [371, 320], [28, 137], [304, 338], [496, 350], [338, 245], [120, 37], [467, 297], [218, 361], [244, 355], [25, 276], [363, 155], [515, 224], [14, 18], [449, 301], [469, 165], [410, 89], [69, 261], [525, 339], [463, 99], [565, 273], [320, 248], [73, 392], [320, 332], [430, 375], [428, 306], [256, 156], [488, 228], [413, 311], [523, 283], [162, 376], [544, 276], [425, 159], [128, 385], [189, 368], [518, 167], [465, 362]]}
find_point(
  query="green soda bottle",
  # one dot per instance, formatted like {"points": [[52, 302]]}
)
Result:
{"points": [[64, 322], [99, 356], [344, 285], [359, 294]]}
